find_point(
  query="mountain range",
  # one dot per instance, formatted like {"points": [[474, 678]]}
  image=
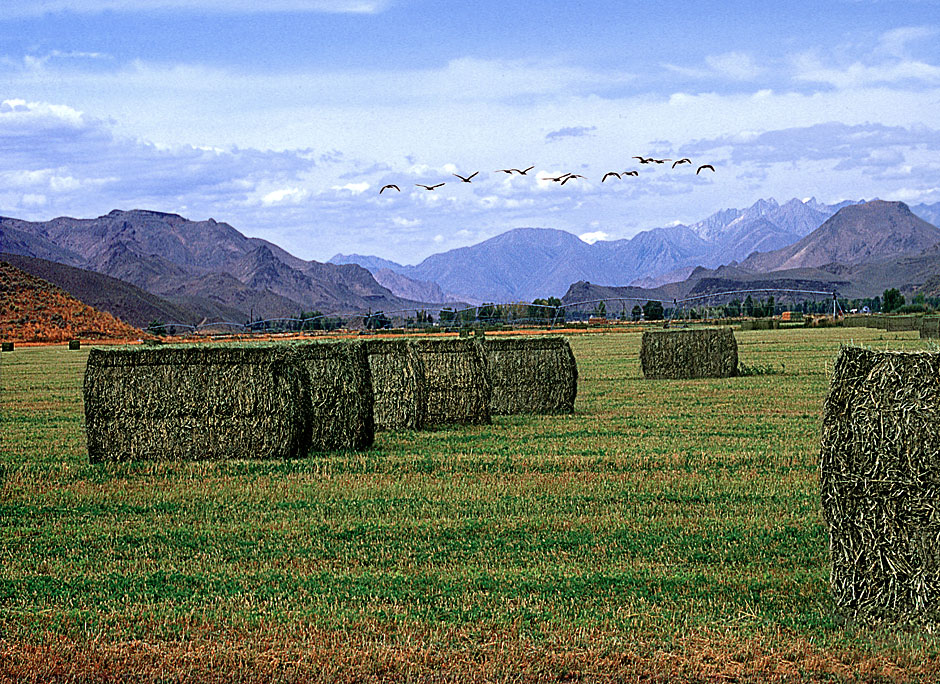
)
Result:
{"points": [[144, 265], [200, 269]]}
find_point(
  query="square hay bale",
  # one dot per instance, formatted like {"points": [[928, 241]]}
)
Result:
{"points": [[223, 402], [399, 384], [459, 388], [6, 346], [337, 393], [693, 353], [901, 323], [930, 327], [531, 374], [75, 344], [880, 485]]}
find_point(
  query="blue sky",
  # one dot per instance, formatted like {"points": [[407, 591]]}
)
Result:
{"points": [[286, 123]]}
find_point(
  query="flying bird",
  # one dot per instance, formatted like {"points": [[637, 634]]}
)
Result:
{"points": [[661, 161], [390, 186], [610, 173], [509, 171], [704, 166], [562, 177], [467, 179], [644, 160], [684, 160], [522, 173], [631, 173], [429, 187], [570, 177]]}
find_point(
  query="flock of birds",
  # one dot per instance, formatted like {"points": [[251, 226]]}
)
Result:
{"points": [[565, 177]]}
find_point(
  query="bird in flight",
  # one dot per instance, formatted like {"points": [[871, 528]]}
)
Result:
{"points": [[571, 176], [390, 186], [524, 172], [509, 171], [467, 178], [684, 160], [661, 161], [429, 187], [704, 166], [562, 177], [645, 160], [631, 173], [610, 173]]}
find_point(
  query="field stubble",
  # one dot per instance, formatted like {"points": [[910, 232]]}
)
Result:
{"points": [[668, 528]]}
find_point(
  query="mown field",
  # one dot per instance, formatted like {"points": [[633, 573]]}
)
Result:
{"points": [[669, 529]]}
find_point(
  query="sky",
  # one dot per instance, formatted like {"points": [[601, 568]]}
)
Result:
{"points": [[286, 121]]}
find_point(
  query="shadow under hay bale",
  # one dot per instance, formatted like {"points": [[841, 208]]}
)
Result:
{"points": [[399, 384], [531, 375], [458, 386], [880, 485], [224, 402], [684, 354]]}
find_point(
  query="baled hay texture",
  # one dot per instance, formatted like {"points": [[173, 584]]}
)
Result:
{"points": [[899, 323], [459, 388], [855, 321], [930, 327], [338, 392], [531, 374], [399, 385], [760, 324], [880, 485], [194, 403], [6, 346], [695, 353], [75, 344]]}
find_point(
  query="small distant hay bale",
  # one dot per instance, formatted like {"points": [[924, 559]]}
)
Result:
{"points": [[75, 344], [693, 353], [855, 321], [880, 485], [399, 384], [6, 346], [930, 327], [459, 388], [338, 395], [225, 402], [760, 324], [901, 323], [531, 375]]}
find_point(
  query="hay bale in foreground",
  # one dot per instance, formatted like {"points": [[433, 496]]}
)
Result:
{"points": [[337, 393], [222, 402], [399, 384], [459, 389], [880, 484], [531, 374], [694, 353]]}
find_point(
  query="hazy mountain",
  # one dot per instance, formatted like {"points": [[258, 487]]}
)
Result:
{"points": [[170, 255], [409, 288], [861, 233]]}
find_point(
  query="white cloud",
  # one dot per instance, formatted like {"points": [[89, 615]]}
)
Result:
{"points": [[738, 66], [594, 236], [354, 188], [405, 223], [30, 8]]}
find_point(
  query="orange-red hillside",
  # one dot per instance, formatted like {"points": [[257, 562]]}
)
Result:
{"points": [[33, 310]]}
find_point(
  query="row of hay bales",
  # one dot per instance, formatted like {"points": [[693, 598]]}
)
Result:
{"points": [[927, 325], [283, 401], [760, 324]]}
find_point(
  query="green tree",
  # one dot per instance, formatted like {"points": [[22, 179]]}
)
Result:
{"points": [[636, 312], [653, 310], [600, 310], [891, 300]]}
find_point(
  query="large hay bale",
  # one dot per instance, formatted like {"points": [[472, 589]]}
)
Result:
{"points": [[930, 327], [220, 402], [338, 392], [6, 346], [880, 484], [75, 344], [531, 374], [693, 353], [399, 384], [459, 387]]}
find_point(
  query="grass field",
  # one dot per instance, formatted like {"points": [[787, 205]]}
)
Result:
{"points": [[668, 529]]}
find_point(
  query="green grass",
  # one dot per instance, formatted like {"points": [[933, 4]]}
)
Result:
{"points": [[669, 527]]}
